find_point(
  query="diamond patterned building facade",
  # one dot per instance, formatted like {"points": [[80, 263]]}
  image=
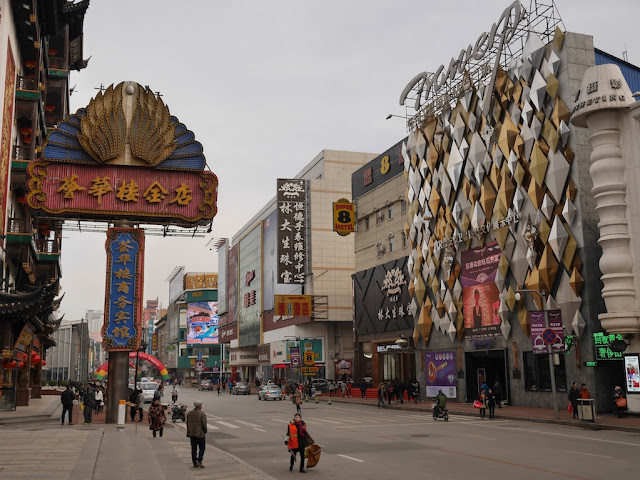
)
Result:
{"points": [[500, 200]]}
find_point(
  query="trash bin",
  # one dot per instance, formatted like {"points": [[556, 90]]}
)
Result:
{"points": [[586, 409]]}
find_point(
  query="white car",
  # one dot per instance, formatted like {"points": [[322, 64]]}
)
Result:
{"points": [[148, 389]]}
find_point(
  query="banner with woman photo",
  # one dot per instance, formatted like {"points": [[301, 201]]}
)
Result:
{"points": [[480, 295]]}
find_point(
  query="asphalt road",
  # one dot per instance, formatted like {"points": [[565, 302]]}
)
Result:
{"points": [[367, 442]]}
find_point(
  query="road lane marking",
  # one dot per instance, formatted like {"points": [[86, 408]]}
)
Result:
{"points": [[230, 425], [213, 416], [212, 427], [248, 424], [504, 462], [542, 432], [479, 436], [388, 438], [380, 425], [590, 454], [351, 458], [344, 420], [259, 429], [325, 420]]}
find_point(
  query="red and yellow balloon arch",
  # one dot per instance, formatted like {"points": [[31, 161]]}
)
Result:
{"points": [[103, 369]]}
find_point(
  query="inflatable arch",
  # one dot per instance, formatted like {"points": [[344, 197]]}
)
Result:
{"points": [[104, 368]]}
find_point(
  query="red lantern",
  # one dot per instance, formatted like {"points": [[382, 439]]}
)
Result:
{"points": [[24, 356], [30, 64], [25, 131], [21, 365], [53, 51], [36, 360], [27, 140], [50, 108], [44, 363], [9, 364]]}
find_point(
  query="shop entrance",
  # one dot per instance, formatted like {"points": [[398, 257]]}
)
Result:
{"points": [[486, 366], [395, 364]]}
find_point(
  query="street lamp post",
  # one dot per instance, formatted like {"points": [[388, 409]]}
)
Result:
{"points": [[552, 368]]}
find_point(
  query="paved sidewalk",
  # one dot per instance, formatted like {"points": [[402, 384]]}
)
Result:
{"points": [[630, 423], [104, 451]]}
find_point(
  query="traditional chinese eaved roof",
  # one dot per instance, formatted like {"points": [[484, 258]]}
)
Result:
{"points": [[35, 306], [99, 133]]}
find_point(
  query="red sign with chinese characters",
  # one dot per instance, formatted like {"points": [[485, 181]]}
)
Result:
{"points": [[106, 191]]}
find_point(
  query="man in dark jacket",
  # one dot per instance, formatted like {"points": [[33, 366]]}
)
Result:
{"points": [[573, 398], [196, 431], [67, 399], [88, 402]]}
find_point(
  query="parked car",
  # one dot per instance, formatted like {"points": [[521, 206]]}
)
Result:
{"points": [[206, 385], [270, 392], [240, 389], [148, 389], [320, 384]]}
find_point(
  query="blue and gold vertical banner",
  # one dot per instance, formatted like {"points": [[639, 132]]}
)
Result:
{"points": [[123, 300]]}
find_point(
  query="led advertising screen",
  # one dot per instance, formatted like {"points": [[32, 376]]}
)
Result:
{"points": [[202, 323], [480, 296]]}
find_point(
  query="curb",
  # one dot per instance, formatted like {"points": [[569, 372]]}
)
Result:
{"points": [[568, 423]]}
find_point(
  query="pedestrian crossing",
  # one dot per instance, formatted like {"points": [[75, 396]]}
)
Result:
{"points": [[371, 418]]}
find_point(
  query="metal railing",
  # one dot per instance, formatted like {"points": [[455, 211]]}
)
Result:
{"points": [[27, 83], [48, 246], [18, 225], [21, 153], [56, 62]]}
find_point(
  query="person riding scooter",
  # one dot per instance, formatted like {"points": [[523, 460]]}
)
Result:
{"points": [[441, 403]]}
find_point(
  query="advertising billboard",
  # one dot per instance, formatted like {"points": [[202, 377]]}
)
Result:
{"points": [[250, 288], [440, 373], [292, 231], [480, 295], [202, 323], [632, 366], [382, 298]]}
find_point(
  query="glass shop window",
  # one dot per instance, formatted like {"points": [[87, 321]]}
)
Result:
{"points": [[536, 373]]}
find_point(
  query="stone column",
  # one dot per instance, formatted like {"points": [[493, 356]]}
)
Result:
{"points": [[603, 94]]}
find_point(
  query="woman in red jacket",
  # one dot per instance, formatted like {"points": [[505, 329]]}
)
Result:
{"points": [[297, 440]]}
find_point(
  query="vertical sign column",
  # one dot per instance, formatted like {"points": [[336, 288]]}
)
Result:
{"points": [[292, 231], [123, 302]]}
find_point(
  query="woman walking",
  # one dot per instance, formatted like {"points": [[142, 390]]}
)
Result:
{"points": [[157, 418], [297, 440], [298, 399], [483, 404]]}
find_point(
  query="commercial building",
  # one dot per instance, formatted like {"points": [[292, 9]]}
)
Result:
{"points": [[289, 309], [503, 220], [41, 42], [381, 281], [69, 358]]}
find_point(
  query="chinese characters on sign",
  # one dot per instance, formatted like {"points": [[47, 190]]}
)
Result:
{"points": [[541, 336], [292, 305], [602, 344], [123, 304], [292, 231], [194, 281], [92, 191]]}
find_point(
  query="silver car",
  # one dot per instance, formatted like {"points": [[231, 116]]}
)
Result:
{"points": [[241, 389], [270, 392]]}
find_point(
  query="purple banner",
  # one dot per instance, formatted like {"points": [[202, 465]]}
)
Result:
{"points": [[294, 353], [541, 336], [440, 373]]}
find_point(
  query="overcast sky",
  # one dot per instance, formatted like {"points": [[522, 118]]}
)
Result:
{"points": [[266, 85]]}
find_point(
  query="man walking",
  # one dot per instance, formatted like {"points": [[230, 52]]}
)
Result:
{"points": [[67, 399], [196, 431], [88, 400]]}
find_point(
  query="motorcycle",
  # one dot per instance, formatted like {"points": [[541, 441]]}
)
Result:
{"points": [[440, 413], [179, 412]]}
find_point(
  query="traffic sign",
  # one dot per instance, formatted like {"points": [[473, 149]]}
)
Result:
{"points": [[549, 336], [309, 370]]}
